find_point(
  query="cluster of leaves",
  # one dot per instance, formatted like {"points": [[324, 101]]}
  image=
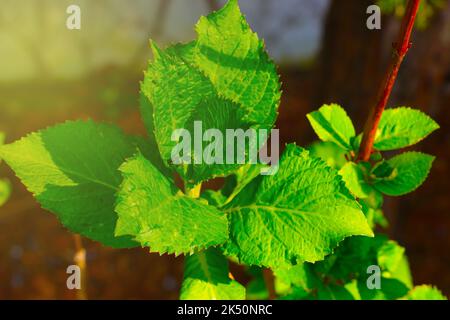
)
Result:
{"points": [[426, 10], [5, 187], [120, 190], [344, 274]]}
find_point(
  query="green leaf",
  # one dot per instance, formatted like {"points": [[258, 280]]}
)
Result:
{"points": [[235, 183], [376, 217], [351, 259], [299, 214], [174, 90], [425, 292], [146, 110], [356, 254], [329, 152], [214, 198], [337, 292], [206, 278], [383, 171], [302, 282], [402, 272], [405, 173], [298, 294], [72, 171], [181, 96], [224, 79], [343, 275], [230, 54], [331, 123], [325, 291], [299, 276], [355, 180], [257, 288], [402, 127], [391, 289], [347, 267], [389, 256], [157, 215]]}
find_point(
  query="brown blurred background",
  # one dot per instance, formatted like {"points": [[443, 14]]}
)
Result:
{"points": [[326, 54]]}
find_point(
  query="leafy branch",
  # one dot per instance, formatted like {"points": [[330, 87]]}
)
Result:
{"points": [[311, 225]]}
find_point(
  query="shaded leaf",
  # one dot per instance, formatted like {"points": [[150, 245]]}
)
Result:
{"points": [[206, 278], [332, 124], [157, 215], [72, 170], [329, 152], [408, 171]]}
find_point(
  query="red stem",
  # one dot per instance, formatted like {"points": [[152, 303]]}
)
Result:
{"points": [[401, 48]]}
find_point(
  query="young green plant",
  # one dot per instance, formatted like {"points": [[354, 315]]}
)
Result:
{"points": [[119, 189]]}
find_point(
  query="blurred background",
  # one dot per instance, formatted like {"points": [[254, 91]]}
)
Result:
{"points": [[325, 54]]}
